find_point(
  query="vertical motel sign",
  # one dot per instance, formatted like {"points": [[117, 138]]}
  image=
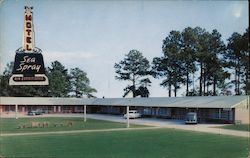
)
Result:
{"points": [[28, 66]]}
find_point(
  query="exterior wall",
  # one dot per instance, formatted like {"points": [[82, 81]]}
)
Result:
{"points": [[24, 109], [218, 115], [79, 109], [7, 109], [242, 112], [112, 110], [66, 109]]}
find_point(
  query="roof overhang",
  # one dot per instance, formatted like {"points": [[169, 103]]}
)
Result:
{"points": [[178, 102]]}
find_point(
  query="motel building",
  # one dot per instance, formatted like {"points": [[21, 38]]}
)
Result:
{"points": [[209, 109]]}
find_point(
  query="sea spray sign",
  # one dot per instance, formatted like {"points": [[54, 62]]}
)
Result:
{"points": [[29, 66], [28, 63]]}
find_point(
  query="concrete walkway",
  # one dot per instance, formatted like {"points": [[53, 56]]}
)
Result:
{"points": [[76, 131]]}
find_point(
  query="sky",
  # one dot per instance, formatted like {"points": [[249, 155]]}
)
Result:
{"points": [[94, 35]]}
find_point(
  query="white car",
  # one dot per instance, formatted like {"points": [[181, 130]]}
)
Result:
{"points": [[132, 114], [191, 118]]}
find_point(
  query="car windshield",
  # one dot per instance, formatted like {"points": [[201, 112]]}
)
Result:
{"points": [[190, 116]]}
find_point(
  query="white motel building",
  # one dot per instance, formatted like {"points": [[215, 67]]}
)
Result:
{"points": [[220, 109]]}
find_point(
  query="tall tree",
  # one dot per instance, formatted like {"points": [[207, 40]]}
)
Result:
{"points": [[134, 68], [143, 89], [245, 60], [238, 56], [214, 63], [202, 55], [188, 54], [170, 66], [184, 52], [4, 83], [161, 69], [80, 83], [59, 80]]}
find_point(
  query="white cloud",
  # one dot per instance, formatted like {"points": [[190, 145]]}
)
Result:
{"points": [[68, 57], [237, 11], [1, 1]]}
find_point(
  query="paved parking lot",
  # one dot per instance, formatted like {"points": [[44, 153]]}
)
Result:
{"points": [[176, 124]]}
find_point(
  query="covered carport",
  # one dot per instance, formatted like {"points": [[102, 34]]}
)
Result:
{"points": [[219, 109]]}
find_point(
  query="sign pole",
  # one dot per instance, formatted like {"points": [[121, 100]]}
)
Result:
{"points": [[85, 111], [16, 111], [127, 116]]}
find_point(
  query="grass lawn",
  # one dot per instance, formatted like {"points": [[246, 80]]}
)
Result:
{"points": [[154, 143], [10, 125], [243, 127]]}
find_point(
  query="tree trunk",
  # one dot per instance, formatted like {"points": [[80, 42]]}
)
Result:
{"points": [[175, 91], [239, 92], [204, 83], [187, 91], [247, 78], [169, 89], [193, 83], [236, 84], [214, 86], [133, 89], [207, 87], [238, 78], [201, 77]]}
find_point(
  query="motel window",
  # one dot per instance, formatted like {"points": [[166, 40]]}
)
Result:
{"points": [[9, 108], [225, 114], [79, 107]]}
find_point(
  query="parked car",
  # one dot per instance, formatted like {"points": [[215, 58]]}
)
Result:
{"points": [[191, 118], [31, 113], [35, 112], [132, 114]]}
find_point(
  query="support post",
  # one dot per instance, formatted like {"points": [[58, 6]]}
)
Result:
{"points": [[127, 116], [219, 113], [23, 109], [59, 109], [84, 110], [16, 111], [54, 109]]}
